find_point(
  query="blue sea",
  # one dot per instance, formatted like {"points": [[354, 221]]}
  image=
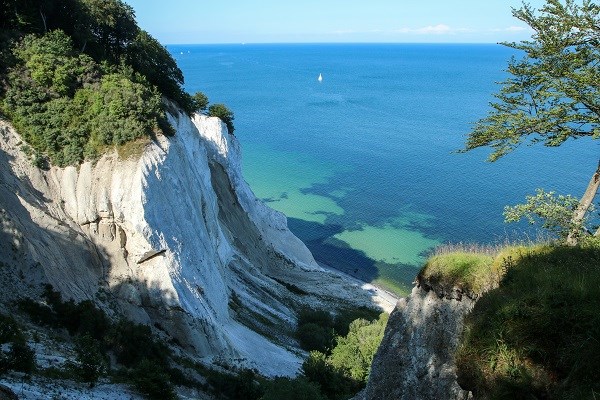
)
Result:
{"points": [[364, 163]]}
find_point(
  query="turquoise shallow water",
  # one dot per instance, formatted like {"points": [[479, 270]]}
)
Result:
{"points": [[363, 163]]}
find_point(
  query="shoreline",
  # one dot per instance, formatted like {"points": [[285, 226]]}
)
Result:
{"points": [[383, 298]]}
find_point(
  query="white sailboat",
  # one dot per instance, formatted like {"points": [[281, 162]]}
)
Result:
{"points": [[320, 78]]}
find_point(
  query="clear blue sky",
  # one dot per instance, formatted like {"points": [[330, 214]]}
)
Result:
{"points": [[308, 21]]}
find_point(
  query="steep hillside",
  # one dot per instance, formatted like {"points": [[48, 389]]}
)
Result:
{"points": [[520, 323], [171, 237]]}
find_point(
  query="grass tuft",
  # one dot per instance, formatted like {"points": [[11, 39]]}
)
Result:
{"points": [[469, 272]]}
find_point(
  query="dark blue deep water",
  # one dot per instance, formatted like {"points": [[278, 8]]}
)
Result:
{"points": [[364, 162]]}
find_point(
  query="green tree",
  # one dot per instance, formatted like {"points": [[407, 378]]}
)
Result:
{"points": [[221, 111], [20, 356], [111, 27], [333, 382], [552, 93], [200, 102], [315, 337], [91, 363], [52, 63], [555, 212], [151, 59], [152, 381], [354, 352]]}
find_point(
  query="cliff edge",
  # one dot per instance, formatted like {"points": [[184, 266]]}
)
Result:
{"points": [[416, 357], [173, 238]]}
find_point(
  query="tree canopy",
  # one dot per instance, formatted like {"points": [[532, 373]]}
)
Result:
{"points": [[552, 93], [78, 76], [105, 30]]}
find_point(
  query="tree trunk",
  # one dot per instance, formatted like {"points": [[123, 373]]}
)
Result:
{"points": [[44, 21], [584, 205]]}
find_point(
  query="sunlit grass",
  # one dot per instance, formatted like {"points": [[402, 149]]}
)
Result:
{"points": [[537, 335], [470, 271]]}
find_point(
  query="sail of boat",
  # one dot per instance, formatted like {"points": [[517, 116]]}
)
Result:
{"points": [[320, 78]]}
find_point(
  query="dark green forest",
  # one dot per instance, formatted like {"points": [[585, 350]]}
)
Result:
{"points": [[79, 76]]}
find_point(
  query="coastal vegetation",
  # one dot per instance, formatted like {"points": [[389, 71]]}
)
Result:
{"points": [[140, 359], [534, 332], [535, 335], [470, 268], [80, 77], [341, 349], [551, 95], [121, 351], [221, 111]]}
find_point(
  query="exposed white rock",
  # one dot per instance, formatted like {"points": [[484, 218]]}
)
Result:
{"points": [[416, 357], [217, 282]]}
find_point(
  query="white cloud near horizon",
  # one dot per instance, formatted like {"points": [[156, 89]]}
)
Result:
{"points": [[510, 29], [439, 29]]}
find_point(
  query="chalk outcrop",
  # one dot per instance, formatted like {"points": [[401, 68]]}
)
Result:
{"points": [[173, 238], [416, 357]]}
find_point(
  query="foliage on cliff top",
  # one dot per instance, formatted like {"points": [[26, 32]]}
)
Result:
{"points": [[538, 334], [79, 77], [67, 107], [104, 30], [469, 272], [221, 111]]}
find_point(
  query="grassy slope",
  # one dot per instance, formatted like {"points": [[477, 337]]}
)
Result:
{"points": [[537, 335]]}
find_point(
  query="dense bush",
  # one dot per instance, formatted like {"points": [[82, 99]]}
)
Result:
{"points": [[343, 369], [151, 380], [344, 318], [70, 108], [200, 102], [82, 318], [354, 352], [9, 328], [91, 359], [19, 357], [317, 329], [244, 384], [312, 336], [134, 346], [332, 381], [133, 343]]}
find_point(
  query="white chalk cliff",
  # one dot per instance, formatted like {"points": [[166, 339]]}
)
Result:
{"points": [[415, 359], [173, 238]]}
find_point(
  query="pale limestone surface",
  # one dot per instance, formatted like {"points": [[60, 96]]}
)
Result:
{"points": [[416, 357], [221, 283]]}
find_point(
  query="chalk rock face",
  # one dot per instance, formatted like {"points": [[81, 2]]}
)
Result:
{"points": [[416, 357], [172, 237]]}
